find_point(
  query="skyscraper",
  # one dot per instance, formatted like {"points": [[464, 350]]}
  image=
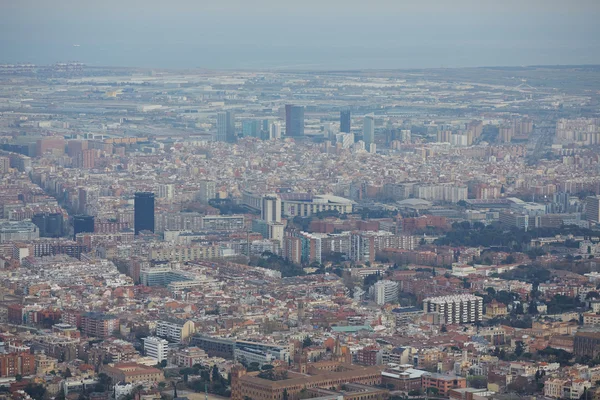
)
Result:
{"points": [[345, 119], [82, 223], [275, 131], [369, 130], [294, 120], [271, 209], [226, 127], [50, 224], [144, 212], [592, 208]]}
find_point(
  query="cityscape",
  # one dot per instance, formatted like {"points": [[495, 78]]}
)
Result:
{"points": [[299, 234]]}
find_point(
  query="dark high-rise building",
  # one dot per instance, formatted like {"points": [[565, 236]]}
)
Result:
{"points": [[82, 224], [345, 121], [294, 120], [144, 212], [50, 224]]}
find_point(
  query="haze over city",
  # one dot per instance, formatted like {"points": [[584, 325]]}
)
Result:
{"points": [[310, 34], [310, 200]]}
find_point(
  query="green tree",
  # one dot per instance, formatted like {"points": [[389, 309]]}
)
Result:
{"points": [[68, 373], [519, 349], [307, 342], [285, 395], [36, 391], [216, 375]]}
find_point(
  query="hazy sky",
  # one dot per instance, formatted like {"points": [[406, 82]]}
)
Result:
{"points": [[301, 33]]}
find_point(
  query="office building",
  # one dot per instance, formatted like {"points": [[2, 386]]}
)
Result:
{"points": [[156, 348], [344, 140], [226, 127], [592, 208], [345, 121], [252, 128], [271, 209], [385, 292], [455, 309], [294, 120], [307, 204], [144, 212], [82, 224], [275, 131], [369, 130], [207, 191], [50, 224], [18, 230]]}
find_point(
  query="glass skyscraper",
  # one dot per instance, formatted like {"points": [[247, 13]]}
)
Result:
{"points": [[294, 120], [144, 212]]}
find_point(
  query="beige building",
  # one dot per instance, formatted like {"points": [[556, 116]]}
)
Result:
{"points": [[132, 372], [44, 364]]}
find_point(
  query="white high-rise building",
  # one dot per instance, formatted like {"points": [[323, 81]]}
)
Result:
{"points": [[385, 292], [156, 348], [369, 129], [271, 208], [275, 131], [455, 309], [344, 139], [165, 191]]}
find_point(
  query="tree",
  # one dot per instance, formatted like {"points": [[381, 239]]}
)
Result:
{"points": [[444, 329], [68, 373], [519, 309], [519, 349], [35, 391], [266, 367], [19, 377], [307, 342], [433, 390], [216, 375], [285, 395], [477, 381]]}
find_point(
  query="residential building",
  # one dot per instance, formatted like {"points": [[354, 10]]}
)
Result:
{"points": [[99, 325], [175, 330], [385, 292], [206, 192], [455, 309]]}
